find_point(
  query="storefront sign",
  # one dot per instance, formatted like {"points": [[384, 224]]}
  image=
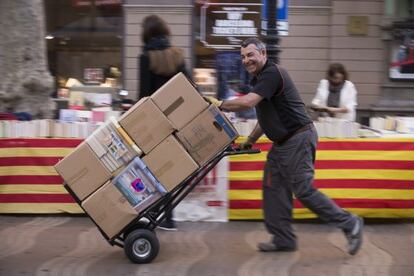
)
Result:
{"points": [[281, 17], [225, 25]]}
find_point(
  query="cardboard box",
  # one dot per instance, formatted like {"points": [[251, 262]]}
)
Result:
{"points": [[208, 134], [138, 185], [113, 146], [170, 163], [110, 210], [179, 101], [146, 124], [82, 171]]}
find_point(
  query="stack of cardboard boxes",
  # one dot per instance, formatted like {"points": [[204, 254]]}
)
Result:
{"points": [[127, 165]]}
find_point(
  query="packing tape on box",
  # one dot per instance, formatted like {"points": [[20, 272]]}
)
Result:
{"points": [[125, 135]]}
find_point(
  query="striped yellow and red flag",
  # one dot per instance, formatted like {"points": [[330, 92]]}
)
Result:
{"points": [[28, 181], [369, 177]]}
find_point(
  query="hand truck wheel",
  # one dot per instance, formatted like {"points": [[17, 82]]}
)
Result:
{"points": [[141, 246]]}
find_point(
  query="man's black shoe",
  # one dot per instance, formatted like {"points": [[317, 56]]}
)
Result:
{"points": [[355, 236], [271, 247]]}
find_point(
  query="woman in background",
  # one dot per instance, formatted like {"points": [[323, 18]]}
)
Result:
{"points": [[336, 95], [159, 60], [158, 63]]}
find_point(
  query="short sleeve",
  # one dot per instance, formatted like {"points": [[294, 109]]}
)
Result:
{"points": [[268, 83]]}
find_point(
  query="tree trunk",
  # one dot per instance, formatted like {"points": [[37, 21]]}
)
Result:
{"points": [[25, 81]]}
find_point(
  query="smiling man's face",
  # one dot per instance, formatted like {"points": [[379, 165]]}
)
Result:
{"points": [[253, 59]]}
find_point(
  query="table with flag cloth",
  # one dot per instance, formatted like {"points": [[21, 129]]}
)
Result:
{"points": [[369, 177], [28, 180]]}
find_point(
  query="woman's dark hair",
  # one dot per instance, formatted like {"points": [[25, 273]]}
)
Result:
{"points": [[154, 26], [336, 68]]}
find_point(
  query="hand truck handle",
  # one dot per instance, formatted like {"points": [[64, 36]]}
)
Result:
{"points": [[240, 151]]}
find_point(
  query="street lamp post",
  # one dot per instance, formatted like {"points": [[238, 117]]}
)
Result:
{"points": [[272, 37]]}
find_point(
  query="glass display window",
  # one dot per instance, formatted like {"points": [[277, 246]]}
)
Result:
{"points": [[84, 40]]}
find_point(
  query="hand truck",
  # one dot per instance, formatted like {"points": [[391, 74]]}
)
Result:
{"points": [[138, 238]]}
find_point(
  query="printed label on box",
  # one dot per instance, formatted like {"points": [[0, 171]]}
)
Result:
{"points": [[139, 185], [110, 147]]}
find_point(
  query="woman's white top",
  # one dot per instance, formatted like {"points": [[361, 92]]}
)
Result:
{"points": [[347, 99]]}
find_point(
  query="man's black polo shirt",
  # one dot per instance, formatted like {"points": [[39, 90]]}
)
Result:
{"points": [[282, 111]]}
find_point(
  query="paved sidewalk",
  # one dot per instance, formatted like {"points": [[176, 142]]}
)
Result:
{"points": [[49, 245]]}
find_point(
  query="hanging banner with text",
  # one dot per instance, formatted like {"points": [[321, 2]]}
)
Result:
{"points": [[225, 25]]}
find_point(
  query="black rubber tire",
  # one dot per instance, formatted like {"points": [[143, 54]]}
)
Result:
{"points": [[138, 225], [141, 246]]}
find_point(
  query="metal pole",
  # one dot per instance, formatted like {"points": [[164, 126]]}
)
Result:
{"points": [[272, 36]]}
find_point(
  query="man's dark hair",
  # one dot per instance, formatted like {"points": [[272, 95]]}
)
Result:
{"points": [[154, 26], [255, 41]]}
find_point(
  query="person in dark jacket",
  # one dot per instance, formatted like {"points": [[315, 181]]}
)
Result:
{"points": [[158, 63], [159, 60]]}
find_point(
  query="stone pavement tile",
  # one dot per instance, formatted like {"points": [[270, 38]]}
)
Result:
{"points": [[73, 246]]}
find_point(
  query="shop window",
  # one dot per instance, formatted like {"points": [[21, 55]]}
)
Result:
{"points": [[405, 9], [84, 39], [402, 46]]}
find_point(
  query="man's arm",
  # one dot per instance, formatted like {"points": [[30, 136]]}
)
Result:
{"points": [[255, 134], [242, 103], [252, 138]]}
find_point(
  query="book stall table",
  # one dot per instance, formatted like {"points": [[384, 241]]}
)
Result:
{"points": [[28, 180], [370, 177]]}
